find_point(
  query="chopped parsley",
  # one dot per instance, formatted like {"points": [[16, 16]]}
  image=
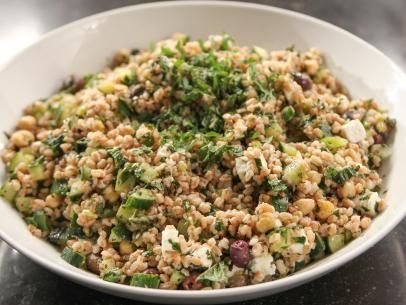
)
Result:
{"points": [[55, 144], [175, 245], [340, 176], [117, 156], [124, 108]]}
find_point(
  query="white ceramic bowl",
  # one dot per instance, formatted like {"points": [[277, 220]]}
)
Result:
{"points": [[85, 45]]}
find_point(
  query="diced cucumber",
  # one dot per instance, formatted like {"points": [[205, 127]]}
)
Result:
{"points": [[37, 172], [347, 236], [113, 275], [320, 248], [108, 213], [126, 247], [74, 258], [19, 158], [124, 213], [280, 204], [76, 191], [85, 173], [288, 113], [334, 143], [23, 204], [125, 181], [183, 226], [59, 236], [149, 173], [145, 280], [274, 130], [335, 242], [288, 149], [41, 220], [140, 223], [59, 187], [177, 277], [295, 172], [8, 191], [299, 265], [68, 106], [126, 76], [383, 151], [119, 233], [106, 86], [141, 199], [284, 241]]}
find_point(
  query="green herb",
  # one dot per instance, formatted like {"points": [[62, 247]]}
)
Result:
{"points": [[276, 185], [340, 176], [211, 153], [299, 265], [117, 156], [218, 273], [145, 280], [262, 87], [90, 80], [280, 204], [129, 79], [74, 258], [326, 129], [80, 145], [220, 226], [59, 187], [55, 144], [299, 239], [186, 205], [225, 42], [124, 108], [142, 150], [288, 113], [175, 245], [113, 275], [167, 52]]}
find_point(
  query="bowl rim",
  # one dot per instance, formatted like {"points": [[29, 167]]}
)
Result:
{"points": [[277, 285]]}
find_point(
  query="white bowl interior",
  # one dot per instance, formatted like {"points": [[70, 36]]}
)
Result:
{"points": [[85, 46]]}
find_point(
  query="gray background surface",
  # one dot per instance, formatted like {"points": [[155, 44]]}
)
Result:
{"points": [[377, 277]]}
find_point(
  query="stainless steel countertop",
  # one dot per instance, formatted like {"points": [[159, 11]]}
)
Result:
{"points": [[377, 277]]}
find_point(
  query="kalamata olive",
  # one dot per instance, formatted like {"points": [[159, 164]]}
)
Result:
{"points": [[136, 90], [191, 283], [92, 263], [239, 253], [303, 81], [73, 84], [151, 271], [379, 138], [349, 114]]}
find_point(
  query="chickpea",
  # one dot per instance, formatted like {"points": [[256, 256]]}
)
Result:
{"points": [[326, 209], [27, 122], [305, 205], [266, 222], [22, 138], [110, 194], [52, 201]]}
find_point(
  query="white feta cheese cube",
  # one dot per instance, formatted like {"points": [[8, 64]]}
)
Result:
{"points": [[204, 254], [169, 236], [369, 204], [263, 264], [354, 131], [243, 169]]}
